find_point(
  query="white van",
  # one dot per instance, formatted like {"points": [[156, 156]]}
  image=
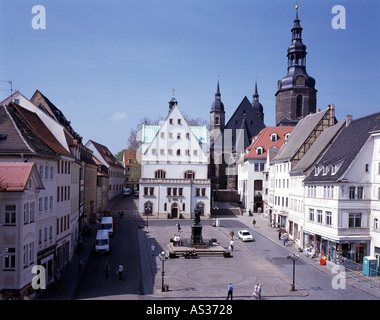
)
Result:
{"points": [[127, 192], [102, 241], [107, 224]]}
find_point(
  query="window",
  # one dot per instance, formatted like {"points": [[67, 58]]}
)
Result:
{"points": [[352, 192], [355, 220], [299, 106], [189, 174], [162, 135], [311, 214], [319, 216], [26, 213], [360, 193], [148, 191], [273, 137], [200, 192], [160, 174], [170, 121], [46, 173], [259, 151], [10, 259], [10, 214], [188, 135], [178, 152], [169, 191], [178, 136], [162, 152], [179, 121], [41, 171], [376, 224], [328, 218]]}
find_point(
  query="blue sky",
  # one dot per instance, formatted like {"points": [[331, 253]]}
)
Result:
{"points": [[107, 64]]}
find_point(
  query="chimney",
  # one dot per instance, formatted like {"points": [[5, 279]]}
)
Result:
{"points": [[332, 114], [348, 119]]}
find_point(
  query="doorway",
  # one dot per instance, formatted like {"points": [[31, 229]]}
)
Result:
{"points": [[174, 210]]}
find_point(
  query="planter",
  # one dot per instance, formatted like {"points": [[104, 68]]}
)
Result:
{"points": [[172, 255], [169, 216], [226, 254]]}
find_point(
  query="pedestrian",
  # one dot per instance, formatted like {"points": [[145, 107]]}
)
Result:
{"points": [[57, 278], [179, 227], [122, 214], [80, 265], [254, 222], [232, 243], [107, 269], [259, 291], [153, 249], [120, 271], [230, 291], [232, 234], [279, 234], [285, 239], [80, 244], [254, 293]]}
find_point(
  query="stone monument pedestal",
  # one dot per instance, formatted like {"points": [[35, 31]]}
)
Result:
{"points": [[196, 234]]}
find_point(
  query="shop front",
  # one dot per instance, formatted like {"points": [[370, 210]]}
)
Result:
{"points": [[335, 250]]}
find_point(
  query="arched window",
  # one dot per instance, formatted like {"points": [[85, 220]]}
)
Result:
{"points": [[217, 120], [299, 106], [189, 174], [148, 207], [160, 174]]}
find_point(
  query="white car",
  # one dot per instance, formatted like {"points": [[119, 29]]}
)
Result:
{"points": [[245, 235]]}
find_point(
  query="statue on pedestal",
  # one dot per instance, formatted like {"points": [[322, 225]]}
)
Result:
{"points": [[197, 215]]}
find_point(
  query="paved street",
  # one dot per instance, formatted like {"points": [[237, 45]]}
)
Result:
{"points": [[262, 261]]}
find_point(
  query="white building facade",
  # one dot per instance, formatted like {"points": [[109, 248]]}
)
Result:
{"points": [[174, 167]]}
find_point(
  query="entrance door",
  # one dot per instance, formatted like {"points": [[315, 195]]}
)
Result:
{"points": [[174, 210]]}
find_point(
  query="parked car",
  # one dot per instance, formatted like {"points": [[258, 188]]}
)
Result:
{"points": [[245, 235]]}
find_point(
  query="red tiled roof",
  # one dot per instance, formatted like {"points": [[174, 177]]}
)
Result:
{"points": [[129, 154], [14, 176], [263, 139]]}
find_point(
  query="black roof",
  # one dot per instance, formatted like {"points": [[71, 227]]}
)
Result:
{"points": [[346, 147]]}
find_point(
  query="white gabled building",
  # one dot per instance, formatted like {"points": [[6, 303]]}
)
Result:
{"points": [[174, 163], [342, 194]]}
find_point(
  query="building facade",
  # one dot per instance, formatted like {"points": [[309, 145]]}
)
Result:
{"points": [[174, 168]]}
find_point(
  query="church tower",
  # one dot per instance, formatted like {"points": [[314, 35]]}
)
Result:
{"points": [[296, 96], [217, 114]]}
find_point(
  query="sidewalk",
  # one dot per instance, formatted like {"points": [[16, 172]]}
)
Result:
{"points": [[70, 276]]}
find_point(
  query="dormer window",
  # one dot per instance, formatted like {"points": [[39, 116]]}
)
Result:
{"points": [[273, 137], [287, 136], [259, 151]]}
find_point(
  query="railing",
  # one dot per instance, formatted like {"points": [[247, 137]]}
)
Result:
{"points": [[354, 270]]}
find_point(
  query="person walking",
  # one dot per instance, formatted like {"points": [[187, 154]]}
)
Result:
{"points": [[254, 222], [232, 234], [80, 265], [107, 269], [178, 227], [254, 293], [120, 271], [279, 234], [230, 291], [232, 243], [259, 291]]}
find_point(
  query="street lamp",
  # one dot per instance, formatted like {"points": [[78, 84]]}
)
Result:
{"points": [[294, 257], [163, 256]]}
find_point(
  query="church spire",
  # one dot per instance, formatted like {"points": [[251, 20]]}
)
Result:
{"points": [[256, 104], [173, 102], [296, 94]]}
